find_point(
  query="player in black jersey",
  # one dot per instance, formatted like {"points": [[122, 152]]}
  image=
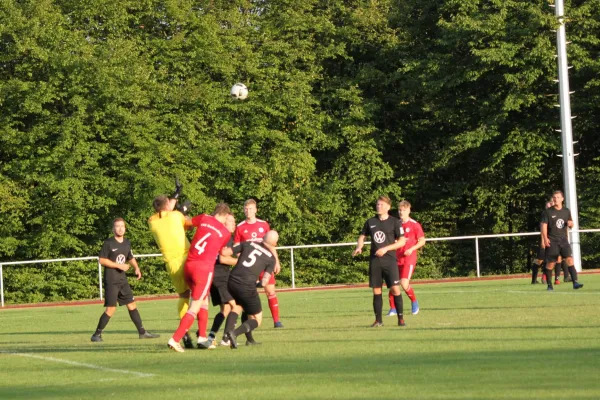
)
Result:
{"points": [[116, 257], [386, 236], [219, 293], [538, 263], [254, 258], [555, 224]]}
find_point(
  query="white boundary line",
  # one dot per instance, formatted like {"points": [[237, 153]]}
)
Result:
{"points": [[78, 364]]}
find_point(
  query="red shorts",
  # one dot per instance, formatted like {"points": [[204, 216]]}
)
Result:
{"points": [[198, 277], [271, 279], [406, 266]]}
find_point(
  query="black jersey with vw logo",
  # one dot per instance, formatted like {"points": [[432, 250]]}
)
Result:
{"points": [[557, 222], [118, 252], [254, 258], [383, 233]]}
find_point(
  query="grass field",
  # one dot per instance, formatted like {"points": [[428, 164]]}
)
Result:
{"points": [[472, 340]]}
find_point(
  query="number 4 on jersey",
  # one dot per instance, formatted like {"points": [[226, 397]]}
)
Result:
{"points": [[201, 244]]}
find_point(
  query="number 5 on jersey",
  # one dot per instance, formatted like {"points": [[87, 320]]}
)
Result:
{"points": [[201, 244], [251, 258]]}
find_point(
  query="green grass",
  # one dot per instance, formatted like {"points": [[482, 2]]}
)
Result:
{"points": [[472, 340]]}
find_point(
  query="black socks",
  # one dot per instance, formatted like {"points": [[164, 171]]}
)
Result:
{"points": [[378, 307], [102, 323], [137, 320], [246, 327], [398, 303]]}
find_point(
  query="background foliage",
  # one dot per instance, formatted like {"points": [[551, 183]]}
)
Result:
{"points": [[447, 103]]}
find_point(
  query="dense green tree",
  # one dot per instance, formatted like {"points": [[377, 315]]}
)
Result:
{"points": [[447, 103]]}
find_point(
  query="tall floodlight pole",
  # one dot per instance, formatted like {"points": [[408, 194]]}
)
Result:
{"points": [[567, 131]]}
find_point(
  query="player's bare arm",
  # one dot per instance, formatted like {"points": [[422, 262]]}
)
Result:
{"points": [[226, 251], [544, 229], [227, 260], [135, 265], [274, 251], [105, 262], [396, 245], [359, 245], [265, 279], [420, 243]]}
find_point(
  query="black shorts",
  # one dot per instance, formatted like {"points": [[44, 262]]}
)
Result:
{"points": [[218, 290], [117, 291], [245, 296], [541, 253], [558, 247], [380, 271]]}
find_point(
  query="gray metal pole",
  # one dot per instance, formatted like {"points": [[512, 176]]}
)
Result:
{"points": [[567, 132], [100, 279], [293, 273], [1, 286], [477, 257]]}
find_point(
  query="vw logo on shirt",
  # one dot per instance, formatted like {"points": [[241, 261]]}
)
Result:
{"points": [[379, 237], [560, 223], [120, 259]]}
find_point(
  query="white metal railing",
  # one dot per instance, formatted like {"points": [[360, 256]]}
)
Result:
{"points": [[291, 248]]}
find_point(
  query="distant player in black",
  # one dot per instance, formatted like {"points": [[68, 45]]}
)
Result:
{"points": [[116, 257], [219, 293], [386, 236], [254, 258], [555, 225], [538, 263]]}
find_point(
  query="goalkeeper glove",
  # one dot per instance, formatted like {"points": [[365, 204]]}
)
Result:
{"points": [[178, 188], [185, 207]]}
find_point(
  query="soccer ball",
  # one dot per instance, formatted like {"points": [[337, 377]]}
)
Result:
{"points": [[239, 91]]}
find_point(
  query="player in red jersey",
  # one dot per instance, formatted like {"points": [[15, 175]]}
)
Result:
{"points": [[252, 230], [407, 255], [209, 241]]}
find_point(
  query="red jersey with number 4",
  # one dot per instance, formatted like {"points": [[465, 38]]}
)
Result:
{"points": [[246, 232], [412, 232], [211, 236]]}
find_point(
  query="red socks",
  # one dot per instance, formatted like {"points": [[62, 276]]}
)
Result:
{"points": [[274, 306], [202, 322], [411, 294], [184, 325]]}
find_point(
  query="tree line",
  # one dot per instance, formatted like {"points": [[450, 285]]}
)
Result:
{"points": [[447, 103]]}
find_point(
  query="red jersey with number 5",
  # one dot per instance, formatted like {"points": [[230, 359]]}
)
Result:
{"points": [[246, 232], [211, 236]]}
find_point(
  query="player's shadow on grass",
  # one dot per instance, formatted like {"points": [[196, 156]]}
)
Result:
{"points": [[80, 348], [88, 333]]}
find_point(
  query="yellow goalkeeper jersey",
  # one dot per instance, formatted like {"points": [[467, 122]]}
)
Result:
{"points": [[169, 233]]}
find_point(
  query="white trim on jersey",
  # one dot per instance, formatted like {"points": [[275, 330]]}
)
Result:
{"points": [[245, 222]]}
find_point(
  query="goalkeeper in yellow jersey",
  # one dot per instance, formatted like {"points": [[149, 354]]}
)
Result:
{"points": [[168, 227]]}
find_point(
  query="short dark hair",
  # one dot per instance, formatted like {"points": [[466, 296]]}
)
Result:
{"points": [[249, 201], [558, 191], [222, 209], [160, 202], [385, 199], [404, 204], [119, 219]]}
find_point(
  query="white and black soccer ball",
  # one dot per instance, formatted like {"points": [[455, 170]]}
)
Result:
{"points": [[239, 91]]}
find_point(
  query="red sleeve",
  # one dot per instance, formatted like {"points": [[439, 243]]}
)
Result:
{"points": [[237, 237], [197, 220], [420, 233], [225, 241]]}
